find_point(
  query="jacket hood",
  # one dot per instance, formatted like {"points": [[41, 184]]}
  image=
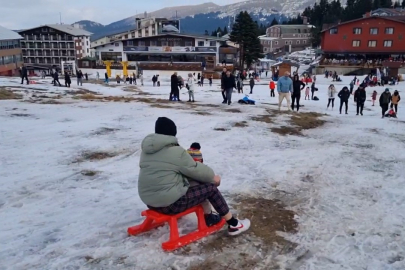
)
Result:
{"points": [[155, 142]]}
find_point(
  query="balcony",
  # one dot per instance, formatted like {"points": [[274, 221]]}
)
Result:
{"points": [[46, 38]]}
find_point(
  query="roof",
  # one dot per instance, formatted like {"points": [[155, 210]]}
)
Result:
{"points": [[362, 19], [166, 34], [264, 37], [64, 28], [292, 28], [6, 34], [392, 11], [293, 64]]}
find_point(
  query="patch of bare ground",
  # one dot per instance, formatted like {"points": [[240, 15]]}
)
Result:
{"points": [[203, 105], [202, 113], [93, 156], [81, 91], [88, 173], [286, 130], [21, 115], [240, 124], [265, 118], [233, 110], [7, 94], [104, 131], [221, 129], [51, 102], [268, 217], [300, 122]]}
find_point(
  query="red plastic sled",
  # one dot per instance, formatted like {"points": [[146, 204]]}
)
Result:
{"points": [[155, 219]]}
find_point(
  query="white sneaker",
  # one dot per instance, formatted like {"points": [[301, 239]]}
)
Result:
{"points": [[243, 225]]}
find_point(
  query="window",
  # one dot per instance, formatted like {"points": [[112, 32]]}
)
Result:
{"points": [[298, 42], [304, 41], [300, 35], [88, 50], [290, 42], [387, 43], [153, 43], [275, 42], [141, 43], [116, 44], [51, 30], [265, 49], [286, 42], [373, 31], [200, 44], [389, 30], [130, 43], [372, 43], [357, 31], [356, 43], [164, 43], [176, 43], [333, 31], [213, 43], [45, 30]]}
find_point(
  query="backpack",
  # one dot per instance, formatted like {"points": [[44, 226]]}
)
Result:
{"points": [[316, 98]]}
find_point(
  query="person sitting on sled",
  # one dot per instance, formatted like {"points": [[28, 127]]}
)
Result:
{"points": [[391, 114], [164, 179]]}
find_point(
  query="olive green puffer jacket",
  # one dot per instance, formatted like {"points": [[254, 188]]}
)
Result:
{"points": [[164, 169]]}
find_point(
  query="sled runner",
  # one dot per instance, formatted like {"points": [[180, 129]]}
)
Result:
{"points": [[154, 219]]}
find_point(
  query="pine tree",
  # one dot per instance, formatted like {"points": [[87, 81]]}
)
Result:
{"points": [[225, 31], [397, 4], [245, 33], [275, 22], [403, 4], [385, 4]]}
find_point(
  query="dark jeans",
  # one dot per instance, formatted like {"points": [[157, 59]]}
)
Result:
{"points": [[229, 92], [56, 80], [313, 92], [395, 106], [295, 98], [341, 105], [195, 196], [384, 108], [333, 102], [26, 78], [251, 89], [360, 107], [272, 93], [224, 95]]}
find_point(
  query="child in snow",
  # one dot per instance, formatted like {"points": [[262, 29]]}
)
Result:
{"points": [[374, 97], [195, 153], [395, 99], [272, 86], [118, 78], [307, 93], [190, 87], [391, 113]]}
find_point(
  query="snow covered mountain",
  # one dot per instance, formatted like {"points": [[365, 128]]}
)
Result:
{"points": [[263, 10]]}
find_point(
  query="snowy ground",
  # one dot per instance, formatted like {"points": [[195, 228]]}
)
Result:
{"points": [[345, 181]]}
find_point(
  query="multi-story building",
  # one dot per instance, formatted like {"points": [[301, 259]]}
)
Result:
{"points": [[286, 38], [369, 35], [49, 45], [10, 52], [387, 12]]}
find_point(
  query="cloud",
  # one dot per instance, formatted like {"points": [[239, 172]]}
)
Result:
{"points": [[23, 14]]}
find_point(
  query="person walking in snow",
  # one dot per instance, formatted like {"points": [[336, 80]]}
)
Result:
{"points": [[385, 100], [118, 78], [67, 80], [252, 84], [97, 76], [228, 85], [395, 99], [223, 76], [134, 78], [141, 78], [298, 86], [154, 80], [190, 87], [106, 80], [209, 80], [56, 78], [174, 88], [360, 98], [352, 86], [374, 97], [307, 90], [272, 86], [239, 84], [344, 95], [24, 75], [284, 89], [79, 76], [331, 96], [313, 89]]}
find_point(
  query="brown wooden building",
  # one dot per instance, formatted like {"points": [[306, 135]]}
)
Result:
{"points": [[10, 52]]}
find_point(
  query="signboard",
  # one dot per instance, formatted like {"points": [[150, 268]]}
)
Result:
{"points": [[206, 49], [135, 49], [156, 49], [172, 26], [169, 39], [183, 49]]}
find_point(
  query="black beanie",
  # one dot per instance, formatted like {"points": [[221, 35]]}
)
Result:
{"points": [[165, 126], [195, 145]]}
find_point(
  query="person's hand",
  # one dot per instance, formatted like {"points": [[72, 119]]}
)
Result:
{"points": [[217, 180]]}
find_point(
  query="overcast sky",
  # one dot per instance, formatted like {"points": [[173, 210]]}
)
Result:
{"points": [[21, 14]]}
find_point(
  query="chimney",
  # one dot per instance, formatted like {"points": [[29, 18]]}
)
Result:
{"points": [[304, 20]]}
